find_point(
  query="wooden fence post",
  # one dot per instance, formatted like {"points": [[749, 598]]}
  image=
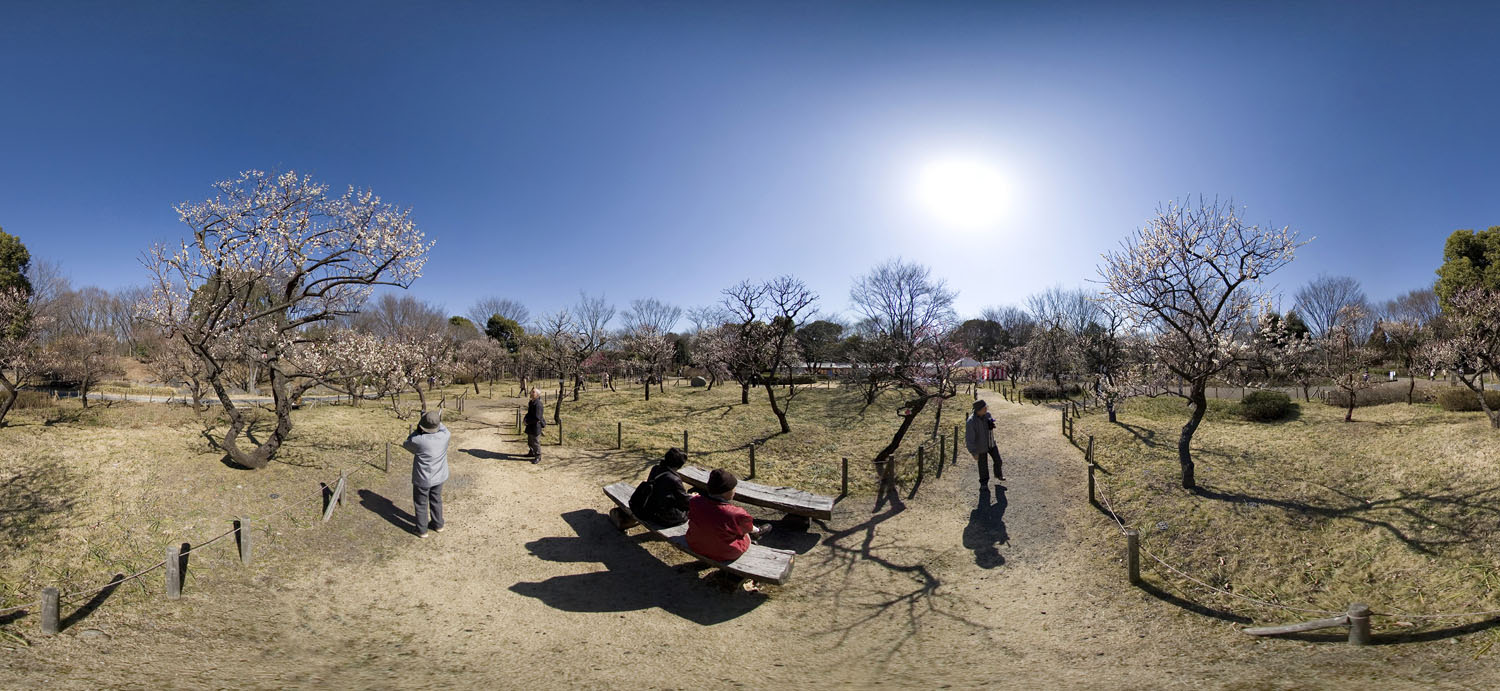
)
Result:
{"points": [[174, 572], [684, 441], [844, 491], [343, 481], [1092, 500], [559, 431], [1359, 624], [49, 611], [334, 499], [387, 457], [955, 444], [619, 435], [1065, 421], [752, 458], [242, 531], [1088, 453], [1133, 555], [921, 464]]}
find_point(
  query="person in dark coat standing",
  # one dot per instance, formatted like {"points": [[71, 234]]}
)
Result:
{"points": [[979, 439], [535, 421], [428, 445], [666, 500]]}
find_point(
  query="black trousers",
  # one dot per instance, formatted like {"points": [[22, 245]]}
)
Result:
{"points": [[534, 444], [421, 498], [993, 454]]}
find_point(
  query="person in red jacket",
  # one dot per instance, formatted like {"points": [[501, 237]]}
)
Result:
{"points": [[717, 529]]}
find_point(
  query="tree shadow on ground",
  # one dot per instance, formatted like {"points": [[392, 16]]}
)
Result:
{"points": [[384, 508], [986, 529], [910, 601], [1454, 517], [632, 579], [33, 501], [1144, 435]]}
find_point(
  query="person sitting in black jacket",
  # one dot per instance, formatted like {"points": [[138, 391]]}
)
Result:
{"points": [[666, 501]]}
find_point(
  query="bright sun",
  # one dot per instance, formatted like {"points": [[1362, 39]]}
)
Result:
{"points": [[963, 193]]}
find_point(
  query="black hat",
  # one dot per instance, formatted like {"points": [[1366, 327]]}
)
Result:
{"points": [[675, 458], [431, 420], [721, 481], [979, 404]]}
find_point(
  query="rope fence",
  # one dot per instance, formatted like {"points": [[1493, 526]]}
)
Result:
{"points": [[52, 597], [1357, 617]]}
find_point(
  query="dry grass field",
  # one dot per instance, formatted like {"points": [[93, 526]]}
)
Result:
{"points": [[1400, 509]]}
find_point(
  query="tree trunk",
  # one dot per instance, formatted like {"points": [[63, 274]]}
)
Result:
{"points": [[770, 387], [1198, 400], [261, 455], [1411, 390], [557, 405], [1110, 406], [1349, 412], [1306, 394], [883, 460], [476, 386], [8, 388], [577, 384], [83, 393], [745, 393], [647, 387]]}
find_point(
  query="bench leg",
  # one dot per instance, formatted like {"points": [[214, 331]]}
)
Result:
{"points": [[621, 519]]}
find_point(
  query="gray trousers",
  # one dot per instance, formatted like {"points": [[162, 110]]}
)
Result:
{"points": [[993, 454], [534, 444], [421, 497]]}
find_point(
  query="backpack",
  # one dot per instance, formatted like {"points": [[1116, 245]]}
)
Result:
{"points": [[639, 499]]}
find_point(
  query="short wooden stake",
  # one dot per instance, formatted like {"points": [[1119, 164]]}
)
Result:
{"points": [[684, 441], [333, 499], [49, 611], [752, 460], [387, 457], [1359, 624], [844, 491], [1088, 454], [955, 444], [174, 572], [619, 435], [242, 531], [343, 480], [921, 463], [1133, 555], [1092, 500]]}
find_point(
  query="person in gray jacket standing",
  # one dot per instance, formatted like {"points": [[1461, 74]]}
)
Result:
{"points": [[428, 445], [979, 439]]}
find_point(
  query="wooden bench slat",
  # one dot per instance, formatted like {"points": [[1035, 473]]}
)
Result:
{"points": [[784, 499], [758, 563]]}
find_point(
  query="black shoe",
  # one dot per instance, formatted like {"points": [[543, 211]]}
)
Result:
{"points": [[536, 459]]}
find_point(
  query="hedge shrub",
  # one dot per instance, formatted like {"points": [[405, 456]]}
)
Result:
{"points": [[1380, 395], [1048, 391], [1462, 400], [1266, 406]]}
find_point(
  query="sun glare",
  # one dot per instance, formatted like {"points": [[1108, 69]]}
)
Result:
{"points": [[963, 193]]}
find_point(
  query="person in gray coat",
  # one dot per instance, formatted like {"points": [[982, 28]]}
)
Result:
{"points": [[428, 445], [979, 439]]}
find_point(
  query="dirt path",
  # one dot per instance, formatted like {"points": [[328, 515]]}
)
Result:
{"points": [[532, 587]]}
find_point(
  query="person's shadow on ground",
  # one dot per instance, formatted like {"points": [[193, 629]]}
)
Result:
{"points": [[633, 579], [383, 508], [986, 529]]}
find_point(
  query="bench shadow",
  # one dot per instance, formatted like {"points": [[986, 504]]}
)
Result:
{"points": [[633, 579], [94, 602], [382, 507], [986, 529]]}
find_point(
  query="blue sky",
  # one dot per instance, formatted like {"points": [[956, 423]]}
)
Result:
{"points": [[652, 149]]}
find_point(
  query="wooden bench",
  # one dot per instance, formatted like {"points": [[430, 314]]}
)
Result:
{"points": [[784, 499], [760, 564]]}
